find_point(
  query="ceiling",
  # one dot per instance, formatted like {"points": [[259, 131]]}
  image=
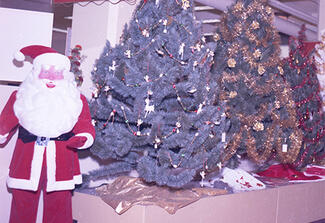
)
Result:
{"points": [[289, 15]]}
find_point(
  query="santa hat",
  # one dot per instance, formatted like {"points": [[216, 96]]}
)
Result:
{"points": [[43, 55]]}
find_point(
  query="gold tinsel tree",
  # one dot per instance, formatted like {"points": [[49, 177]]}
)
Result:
{"points": [[258, 102]]}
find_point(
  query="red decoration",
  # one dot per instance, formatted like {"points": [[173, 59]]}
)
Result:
{"points": [[284, 171]]}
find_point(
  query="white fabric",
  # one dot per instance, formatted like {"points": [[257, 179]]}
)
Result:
{"points": [[52, 183], [48, 112], [36, 168], [89, 141], [3, 138], [240, 180]]}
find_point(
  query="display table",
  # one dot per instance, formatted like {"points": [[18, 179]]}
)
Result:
{"points": [[295, 203]]}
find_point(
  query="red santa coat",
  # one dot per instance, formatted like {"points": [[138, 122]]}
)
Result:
{"points": [[63, 170]]}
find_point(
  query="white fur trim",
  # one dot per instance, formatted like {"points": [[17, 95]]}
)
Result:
{"points": [[51, 164], [59, 60], [89, 142], [305, 181], [19, 56], [64, 185], [35, 173], [52, 184], [3, 138]]}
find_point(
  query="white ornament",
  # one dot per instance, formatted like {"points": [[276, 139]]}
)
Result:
{"points": [[139, 122], [95, 93], [165, 24], [202, 174], [284, 148], [217, 122], [113, 67], [193, 90], [146, 78], [199, 109], [148, 108], [181, 50], [223, 137], [211, 53], [185, 4], [195, 63], [145, 33], [127, 53], [157, 140]]}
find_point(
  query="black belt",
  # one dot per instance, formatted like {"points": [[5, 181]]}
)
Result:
{"points": [[27, 137]]}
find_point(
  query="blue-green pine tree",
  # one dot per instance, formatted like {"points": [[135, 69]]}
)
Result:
{"points": [[155, 107]]}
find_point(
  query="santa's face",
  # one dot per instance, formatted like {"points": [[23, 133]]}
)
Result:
{"points": [[50, 75], [48, 102]]}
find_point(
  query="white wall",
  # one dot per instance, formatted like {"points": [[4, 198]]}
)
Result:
{"points": [[19, 28], [92, 26]]}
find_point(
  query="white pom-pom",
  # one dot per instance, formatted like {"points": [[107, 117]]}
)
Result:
{"points": [[19, 56]]}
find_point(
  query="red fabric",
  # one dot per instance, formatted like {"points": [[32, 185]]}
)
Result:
{"points": [[76, 141], [315, 170], [36, 50], [7, 119], [286, 172], [67, 163], [308, 48], [57, 205]]}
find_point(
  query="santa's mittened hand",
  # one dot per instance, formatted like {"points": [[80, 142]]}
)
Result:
{"points": [[76, 141], [3, 138]]}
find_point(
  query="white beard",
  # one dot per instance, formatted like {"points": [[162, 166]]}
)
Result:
{"points": [[48, 112]]}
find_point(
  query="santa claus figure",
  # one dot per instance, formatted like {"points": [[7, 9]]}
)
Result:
{"points": [[53, 121]]}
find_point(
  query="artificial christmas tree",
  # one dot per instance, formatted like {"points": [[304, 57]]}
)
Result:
{"points": [[320, 64], [300, 74], [258, 103], [75, 60], [155, 106]]}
